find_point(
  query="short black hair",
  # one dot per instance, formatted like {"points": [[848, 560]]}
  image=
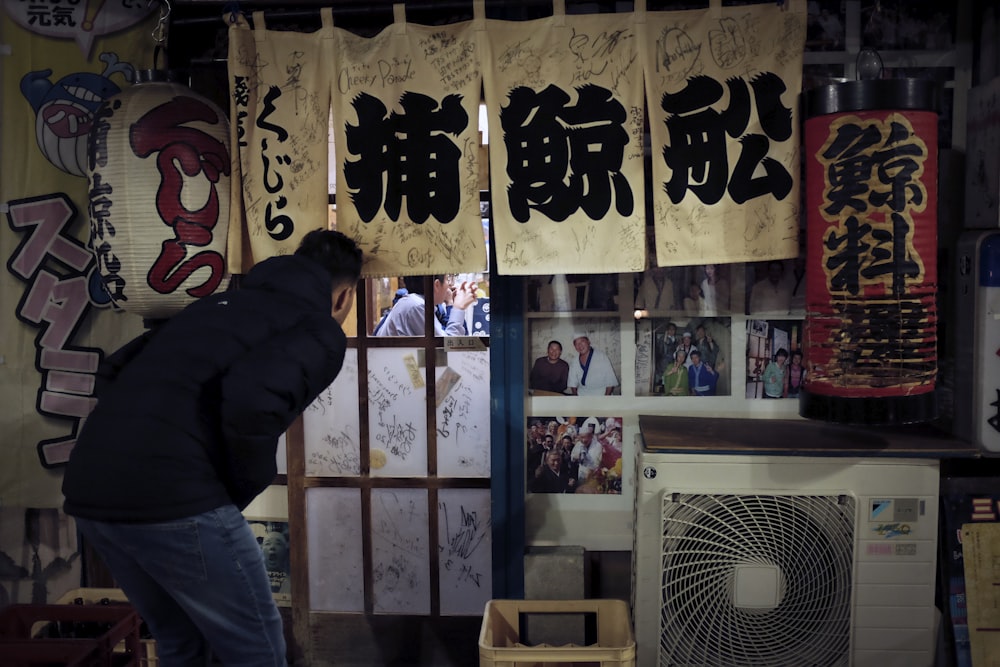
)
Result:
{"points": [[335, 252], [415, 284]]}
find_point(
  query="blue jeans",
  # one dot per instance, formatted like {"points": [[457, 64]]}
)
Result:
{"points": [[200, 585]]}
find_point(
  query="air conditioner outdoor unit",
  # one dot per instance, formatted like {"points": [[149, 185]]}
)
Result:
{"points": [[784, 561]]}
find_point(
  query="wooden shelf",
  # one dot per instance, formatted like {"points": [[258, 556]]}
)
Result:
{"points": [[797, 437]]}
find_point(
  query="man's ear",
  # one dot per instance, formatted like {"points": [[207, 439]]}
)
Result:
{"points": [[341, 297], [343, 301]]}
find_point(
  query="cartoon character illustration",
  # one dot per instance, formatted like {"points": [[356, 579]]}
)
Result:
{"points": [[64, 111], [82, 21]]}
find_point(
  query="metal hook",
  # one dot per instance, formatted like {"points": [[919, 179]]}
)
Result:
{"points": [[874, 16], [160, 31], [233, 10]]}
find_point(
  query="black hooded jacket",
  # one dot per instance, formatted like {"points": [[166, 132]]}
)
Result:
{"points": [[189, 414]]}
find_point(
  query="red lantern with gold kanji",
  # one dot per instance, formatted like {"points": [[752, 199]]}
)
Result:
{"points": [[870, 335], [159, 176]]}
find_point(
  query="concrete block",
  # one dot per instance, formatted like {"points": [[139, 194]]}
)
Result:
{"points": [[555, 573]]}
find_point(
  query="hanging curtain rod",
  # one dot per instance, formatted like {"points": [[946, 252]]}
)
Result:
{"points": [[310, 9], [360, 9]]}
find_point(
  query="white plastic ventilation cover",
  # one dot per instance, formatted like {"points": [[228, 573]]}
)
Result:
{"points": [[756, 580]]}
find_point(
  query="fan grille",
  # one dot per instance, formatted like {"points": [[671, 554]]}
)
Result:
{"points": [[793, 553]]}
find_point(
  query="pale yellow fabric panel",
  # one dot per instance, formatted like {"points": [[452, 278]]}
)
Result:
{"points": [[238, 241], [405, 117], [725, 181], [566, 172], [279, 85], [56, 324]]}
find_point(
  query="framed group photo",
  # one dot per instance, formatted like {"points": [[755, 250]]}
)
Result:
{"points": [[579, 455], [683, 356], [574, 357], [776, 366]]}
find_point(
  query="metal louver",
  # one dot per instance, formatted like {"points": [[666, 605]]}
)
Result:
{"points": [[756, 580]]}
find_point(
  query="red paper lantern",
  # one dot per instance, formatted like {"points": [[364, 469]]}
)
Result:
{"points": [[159, 176], [870, 335]]}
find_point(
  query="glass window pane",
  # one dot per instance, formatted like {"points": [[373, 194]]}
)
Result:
{"points": [[471, 319], [336, 570], [383, 293], [397, 412], [466, 545], [463, 414], [332, 426], [477, 316], [400, 554], [281, 455], [559, 293]]}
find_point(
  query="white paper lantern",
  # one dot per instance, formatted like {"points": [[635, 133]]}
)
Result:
{"points": [[159, 176]]}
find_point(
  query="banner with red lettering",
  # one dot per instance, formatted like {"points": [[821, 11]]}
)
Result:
{"points": [[722, 92], [280, 119], [565, 104], [57, 320], [405, 117]]}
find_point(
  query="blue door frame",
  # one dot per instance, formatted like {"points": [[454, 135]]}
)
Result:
{"points": [[507, 431]]}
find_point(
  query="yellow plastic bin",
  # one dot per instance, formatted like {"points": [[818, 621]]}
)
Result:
{"points": [[500, 638], [89, 596]]}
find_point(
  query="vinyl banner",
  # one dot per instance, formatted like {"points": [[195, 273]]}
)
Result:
{"points": [[405, 118], [279, 118], [565, 104], [722, 92], [57, 321]]}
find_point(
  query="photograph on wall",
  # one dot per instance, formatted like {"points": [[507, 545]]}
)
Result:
{"points": [[574, 455], [563, 293], [911, 25], [825, 23], [574, 357], [776, 288], [272, 536], [776, 365], [704, 289], [683, 356], [39, 555]]}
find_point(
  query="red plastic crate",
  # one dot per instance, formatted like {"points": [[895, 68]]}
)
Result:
{"points": [[92, 596], [20, 647]]}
